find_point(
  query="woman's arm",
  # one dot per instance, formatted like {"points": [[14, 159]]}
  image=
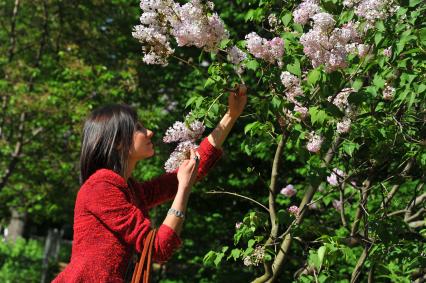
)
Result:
{"points": [[164, 187], [236, 104]]}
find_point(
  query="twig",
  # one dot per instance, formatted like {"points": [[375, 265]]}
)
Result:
{"points": [[240, 196]]}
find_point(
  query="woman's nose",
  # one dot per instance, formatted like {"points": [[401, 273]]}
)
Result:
{"points": [[150, 133]]}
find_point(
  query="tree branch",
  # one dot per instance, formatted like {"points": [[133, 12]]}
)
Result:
{"points": [[240, 196], [272, 209]]}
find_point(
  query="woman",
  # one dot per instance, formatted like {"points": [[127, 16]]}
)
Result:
{"points": [[111, 212]]}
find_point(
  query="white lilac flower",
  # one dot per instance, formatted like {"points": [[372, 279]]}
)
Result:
{"points": [[289, 80], [305, 11], [288, 191], [238, 225], [373, 10], [189, 24], [341, 99], [344, 126], [337, 204], [272, 20], [314, 143], [303, 111], [294, 210], [329, 46], [180, 132], [236, 55], [323, 21], [336, 177], [363, 50], [192, 26], [388, 92], [269, 50], [388, 52], [181, 153], [256, 257]]}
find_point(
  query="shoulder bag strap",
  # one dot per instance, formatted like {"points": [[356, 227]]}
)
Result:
{"points": [[143, 268]]}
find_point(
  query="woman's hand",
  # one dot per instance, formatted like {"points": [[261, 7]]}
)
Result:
{"points": [[187, 172], [237, 101]]}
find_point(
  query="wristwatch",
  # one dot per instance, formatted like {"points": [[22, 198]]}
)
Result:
{"points": [[176, 213]]}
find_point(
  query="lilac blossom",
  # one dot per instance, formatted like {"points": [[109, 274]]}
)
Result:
{"points": [[181, 132], [269, 50], [341, 99], [388, 92], [238, 225], [288, 191], [181, 153], [256, 257], [314, 143], [388, 52], [336, 177], [337, 204], [294, 210], [344, 126], [305, 11]]}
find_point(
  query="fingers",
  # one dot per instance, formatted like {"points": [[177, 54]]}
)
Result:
{"points": [[242, 90]]}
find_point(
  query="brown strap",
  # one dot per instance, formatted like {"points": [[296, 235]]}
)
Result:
{"points": [[143, 268]]}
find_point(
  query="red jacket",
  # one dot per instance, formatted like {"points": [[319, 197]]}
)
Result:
{"points": [[111, 220]]}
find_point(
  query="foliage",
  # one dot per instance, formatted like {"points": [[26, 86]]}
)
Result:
{"points": [[21, 261], [86, 57]]}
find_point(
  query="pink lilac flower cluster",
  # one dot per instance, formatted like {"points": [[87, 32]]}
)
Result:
{"points": [[341, 99], [388, 52], [273, 21], [238, 225], [288, 191], [193, 26], [293, 90], [336, 177], [269, 50], [186, 136], [344, 126], [256, 257], [337, 204], [314, 143], [181, 152], [372, 10], [236, 56], [181, 132], [305, 11], [193, 23], [388, 92], [329, 46], [294, 210]]}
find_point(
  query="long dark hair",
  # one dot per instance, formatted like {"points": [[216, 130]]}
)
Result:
{"points": [[107, 138]]}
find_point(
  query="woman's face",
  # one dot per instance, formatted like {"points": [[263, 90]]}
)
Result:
{"points": [[142, 146]]}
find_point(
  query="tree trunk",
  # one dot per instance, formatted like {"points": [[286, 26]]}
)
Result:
{"points": [[16, 225]]}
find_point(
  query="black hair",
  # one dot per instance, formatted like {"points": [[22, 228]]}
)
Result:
{"points": [[107, 138]]}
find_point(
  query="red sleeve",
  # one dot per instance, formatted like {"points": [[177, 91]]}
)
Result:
{"points": [[164, 187], [112, 206]]}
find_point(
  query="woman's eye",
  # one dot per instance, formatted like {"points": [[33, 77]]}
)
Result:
{"points": [[139, 127]]}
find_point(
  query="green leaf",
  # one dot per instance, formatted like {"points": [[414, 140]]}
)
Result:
{"points": [[286, 18], [378, 81], [318, 116], [295, 68], [251, 243], [218, 259], [252, 65], [313, 76], [413, 3], [321, 253], [357, 85], [349, 147], [209, 82]]}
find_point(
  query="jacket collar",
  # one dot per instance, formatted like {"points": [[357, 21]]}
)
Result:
{"points": [[109, 176]]}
